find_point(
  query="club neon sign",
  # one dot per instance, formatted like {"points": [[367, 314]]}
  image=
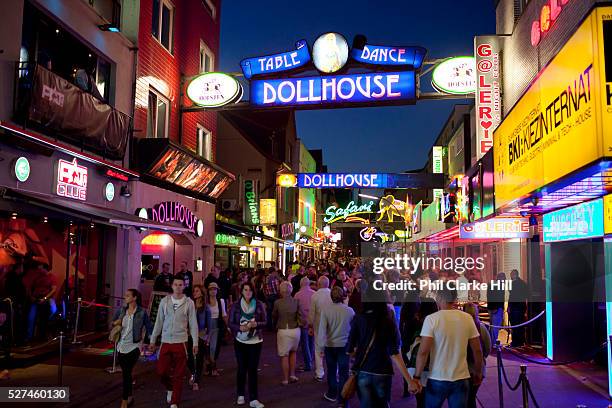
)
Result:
{"points": [[71, 180], [272, 64], [335, 89], [496, 228], [382, 55], [340, 180], [172, 211], [333, 214]]}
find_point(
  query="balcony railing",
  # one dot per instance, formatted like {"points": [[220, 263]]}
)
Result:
{"points": [[48, 103]]}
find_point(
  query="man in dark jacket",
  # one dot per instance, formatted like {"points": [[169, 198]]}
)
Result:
{"points": [[517, 306], [163, 281]]}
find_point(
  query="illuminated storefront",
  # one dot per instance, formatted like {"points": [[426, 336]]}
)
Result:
{"points": [[550, 154]]}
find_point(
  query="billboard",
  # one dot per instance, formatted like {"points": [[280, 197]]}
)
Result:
{"points": [[560, 124]]}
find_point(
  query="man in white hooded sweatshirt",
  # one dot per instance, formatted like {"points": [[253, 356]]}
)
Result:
{"points": [[176, 320]]}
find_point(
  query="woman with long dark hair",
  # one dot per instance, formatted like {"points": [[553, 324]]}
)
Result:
{"points": [[218, 327], [375, 342], [426, 307], [247, 319], [134, 321], [196, 362]]}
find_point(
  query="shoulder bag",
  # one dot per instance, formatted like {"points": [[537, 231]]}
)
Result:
{"points": [[350, 386]]}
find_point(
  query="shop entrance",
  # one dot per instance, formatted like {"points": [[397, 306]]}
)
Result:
{"points": [[576, 318], [159, 251]]}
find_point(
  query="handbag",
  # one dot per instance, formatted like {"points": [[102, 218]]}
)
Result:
{"points": [[350, 386], [115, 334]]}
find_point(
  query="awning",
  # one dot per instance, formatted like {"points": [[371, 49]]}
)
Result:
{"points": [[241, 229], [178, 169], [81, 211]]}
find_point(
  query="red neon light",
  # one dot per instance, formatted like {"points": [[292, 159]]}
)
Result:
{"points": [[41, 139], [545, 18], [116, 175], [548, 15]]}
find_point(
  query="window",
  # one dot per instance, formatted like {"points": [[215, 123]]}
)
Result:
{"points": [[157, 118], [209, 5], [204, 143], [207, 58], [161, 24]]}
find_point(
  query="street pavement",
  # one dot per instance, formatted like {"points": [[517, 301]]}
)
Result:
{"points": [[92, 387]]}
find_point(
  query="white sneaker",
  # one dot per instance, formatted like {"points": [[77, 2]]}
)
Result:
{"points": [[169, 397], [256, 404], [240, 400]]}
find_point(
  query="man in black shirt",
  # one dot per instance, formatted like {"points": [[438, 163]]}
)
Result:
{"points": [[187, 277], [163, 281], [213, 276], [516, 308]]}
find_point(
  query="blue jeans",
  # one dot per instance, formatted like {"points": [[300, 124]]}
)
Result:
{"points": [[373, 390], [337, 362], [497, 318], [456, 392], [35, 308], [307, 345]]}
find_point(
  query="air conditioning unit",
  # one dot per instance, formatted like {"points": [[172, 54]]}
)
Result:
{"points": [[229, 205]]}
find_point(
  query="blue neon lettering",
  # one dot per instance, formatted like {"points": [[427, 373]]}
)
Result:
{"points": [[278, 62], [353, 88], [332, 180], [381, 55]]}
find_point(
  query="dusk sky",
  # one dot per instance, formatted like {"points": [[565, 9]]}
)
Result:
{"points": [[383, 139]]}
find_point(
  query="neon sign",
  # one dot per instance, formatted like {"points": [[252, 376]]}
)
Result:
{"points": [[337, 89], [361, 180], [498, 227], [392, 207], [286, 180], [251, 207], [172, 211], [580, 221], [381, 55], [271, 64], [488, 92], [339, 180], [333, 214], [71, 180], [548, 15], [369, 233], [227, 239]]}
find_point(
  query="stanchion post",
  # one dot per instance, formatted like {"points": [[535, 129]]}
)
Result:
{"points": [[60, 367], [113, 369], [76, 322], [524, 386], [500, 386]]}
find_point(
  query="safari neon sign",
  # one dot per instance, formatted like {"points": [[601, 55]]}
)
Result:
{"points": [[333, 214]]}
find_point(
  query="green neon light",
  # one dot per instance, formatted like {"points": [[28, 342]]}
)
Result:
{"points": [[226, 239], [333, 214]]}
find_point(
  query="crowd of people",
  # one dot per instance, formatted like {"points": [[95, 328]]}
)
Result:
{"points": [[330, 323]]}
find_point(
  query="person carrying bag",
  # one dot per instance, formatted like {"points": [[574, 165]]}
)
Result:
{"points": [[350, 386]]}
